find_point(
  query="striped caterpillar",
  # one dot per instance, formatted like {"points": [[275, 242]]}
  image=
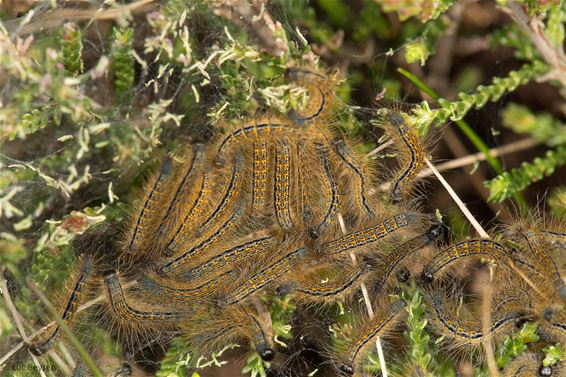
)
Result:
{"points": [[366, 334], [412, 156]]}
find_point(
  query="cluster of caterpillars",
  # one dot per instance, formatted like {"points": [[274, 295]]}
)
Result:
{"points": [[279, 205]]}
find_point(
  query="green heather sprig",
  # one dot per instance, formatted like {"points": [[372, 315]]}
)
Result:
{"points": [[554, 30], [39, 118], [457, 110], [281, 310], [420, 354], [177, 360], [510, 182], [123, 65], [542, 127], [510, 35], [38, 84], [180, 360], [513, 346], [423, 47], [255, 366], [72, 48]]}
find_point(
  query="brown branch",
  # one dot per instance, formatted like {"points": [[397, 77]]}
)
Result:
{"points": [[50, 19], [534, 29]]}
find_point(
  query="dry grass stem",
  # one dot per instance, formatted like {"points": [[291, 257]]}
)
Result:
{"points": [[486, 297], [458, 201], [380, 148]]}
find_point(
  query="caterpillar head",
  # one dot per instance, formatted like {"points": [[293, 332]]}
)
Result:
{"points": [[437, 231], [265, 352], [347, 369]]}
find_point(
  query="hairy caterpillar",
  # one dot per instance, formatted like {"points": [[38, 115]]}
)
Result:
{"points": [[463, 249], [412, 156], [194, 210], [250, 129], [514, 295], [331, 191], [553, 324], [371, 234], [258, 208], [120, 306], [85, 272], [320, 90], [466, 332], [282, 183], [229, 257], [263, 277], [360, 182], [389, 262], [542, 258], [269, 129], [182, 191], [363, 338], [320, 287], [233, 324], [526, 365], [143, 226], [557, 239], [204, 244], [260, 175], [183, 292], [230, 193]]}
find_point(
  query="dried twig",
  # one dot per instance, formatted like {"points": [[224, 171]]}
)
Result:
{"points": [[380, 148], [534, 29], [9, 354], [487, 295], [458, 201], [513, 147], [50, 19]]}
